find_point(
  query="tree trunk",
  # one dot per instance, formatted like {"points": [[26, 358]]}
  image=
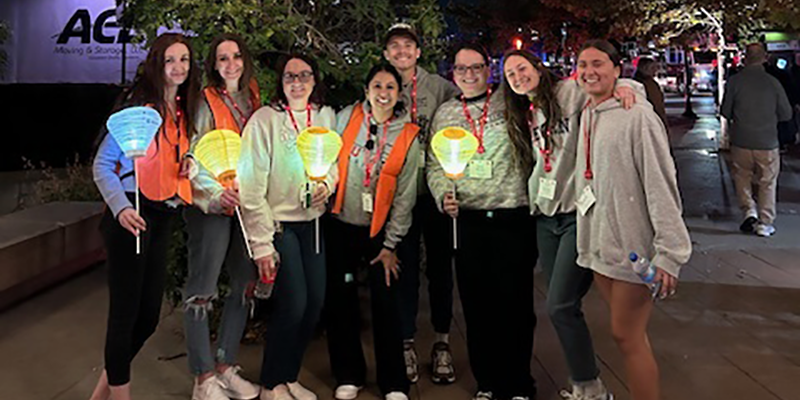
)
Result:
{"points": [[688, 112]]}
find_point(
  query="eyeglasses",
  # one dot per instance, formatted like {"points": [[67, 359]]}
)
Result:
{"points": [[373, 131], [303, 77], [462, 69]]}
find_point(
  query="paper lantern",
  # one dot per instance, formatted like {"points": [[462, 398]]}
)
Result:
{"points": [[318, 147], [218, 151], [133, 129], [454, 147]]}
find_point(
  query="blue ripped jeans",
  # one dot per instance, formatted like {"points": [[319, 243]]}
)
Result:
{"points": [[214, 241]]}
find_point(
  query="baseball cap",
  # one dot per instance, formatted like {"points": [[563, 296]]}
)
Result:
{"points": [[401, 29]]}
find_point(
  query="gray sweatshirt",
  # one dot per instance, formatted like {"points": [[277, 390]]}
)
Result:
{"points": [[754, 102], [405, 197], [638, 207], [506, 188], [571, 98], [271, 174], [432, 91]]}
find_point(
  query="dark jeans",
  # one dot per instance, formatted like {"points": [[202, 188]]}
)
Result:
{"points": [[351, 248], [135, 285], [434, 228], [494, 269], [296, 303], [213, 241], [567, 284]]}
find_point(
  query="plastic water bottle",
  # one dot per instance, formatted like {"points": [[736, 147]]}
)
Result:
{"points": [[263, 289], [647, 273]]}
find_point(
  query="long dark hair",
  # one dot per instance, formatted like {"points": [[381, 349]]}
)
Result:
{"points": [[399, 107], [148, 87], [214, 78], [279, 101], [518, 106]]}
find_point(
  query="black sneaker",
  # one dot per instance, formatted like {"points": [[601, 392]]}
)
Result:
{"points": [[749, 224], [442, 370]]}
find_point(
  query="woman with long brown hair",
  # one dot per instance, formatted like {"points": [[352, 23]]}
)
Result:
{"points": [[169, 84], [543, 115], [214, 237]]}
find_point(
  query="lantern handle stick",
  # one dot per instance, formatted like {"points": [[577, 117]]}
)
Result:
{"points": [[316, 233], [244, 233], [136, 177], [455, 222]]}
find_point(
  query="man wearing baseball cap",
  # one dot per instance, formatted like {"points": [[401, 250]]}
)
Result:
{"points": [[423, 93]]}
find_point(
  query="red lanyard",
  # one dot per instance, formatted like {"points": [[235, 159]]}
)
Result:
{"points": [[370, 159], [414, 98], [543, 150], [587, 133], [294, 122], [242, 116], [481, 122]]}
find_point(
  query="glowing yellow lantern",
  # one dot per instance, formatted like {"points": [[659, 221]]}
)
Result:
{"points": [[218, 151], [318, 148], [454, 147]]}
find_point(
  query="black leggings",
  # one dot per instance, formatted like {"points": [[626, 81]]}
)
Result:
{"points": [[135, 286]]}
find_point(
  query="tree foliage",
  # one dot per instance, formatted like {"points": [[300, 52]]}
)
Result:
{"points": [[345, 36]]}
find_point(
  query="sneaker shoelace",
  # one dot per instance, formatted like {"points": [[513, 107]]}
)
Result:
{"points": [[571, 396], [484, 395]]}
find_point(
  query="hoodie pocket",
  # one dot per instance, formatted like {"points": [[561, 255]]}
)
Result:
{"points": [[608, 247]]}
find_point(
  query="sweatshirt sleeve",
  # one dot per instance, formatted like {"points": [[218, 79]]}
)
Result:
{"points": [[106, 178], [726, 109], [438, 183], [784, 107], [671, 241], [405, 198], [253, 173]]}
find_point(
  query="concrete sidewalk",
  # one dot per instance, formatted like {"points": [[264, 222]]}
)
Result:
{"points": [[730, 333]]}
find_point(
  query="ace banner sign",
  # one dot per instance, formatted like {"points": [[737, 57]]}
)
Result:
{"points": [[67, 41]]}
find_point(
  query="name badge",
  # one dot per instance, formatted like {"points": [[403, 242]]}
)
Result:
{"points": [[366, 202], [480, 169], [547, 188], [586, 201]]}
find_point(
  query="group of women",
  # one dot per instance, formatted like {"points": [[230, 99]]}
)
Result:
{"points": [[575, 173]]}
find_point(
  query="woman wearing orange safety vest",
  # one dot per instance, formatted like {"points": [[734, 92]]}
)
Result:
{"points": [[378, 167], [214, 236], [169, 84]]}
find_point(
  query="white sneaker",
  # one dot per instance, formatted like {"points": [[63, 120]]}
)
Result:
{"points": [[210, 389], [410, 358], [299, 392], [765, 230], [236, 387], [483, 396], [346, 392], [280, 392], [591, 390], [396, 396]]}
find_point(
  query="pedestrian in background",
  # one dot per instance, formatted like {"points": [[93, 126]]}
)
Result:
{"points": [[754, 103], [646, 71]]}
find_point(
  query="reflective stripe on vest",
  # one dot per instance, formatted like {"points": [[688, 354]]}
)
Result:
{"points": [[222, 115], [159, 168], [387, 180]]}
